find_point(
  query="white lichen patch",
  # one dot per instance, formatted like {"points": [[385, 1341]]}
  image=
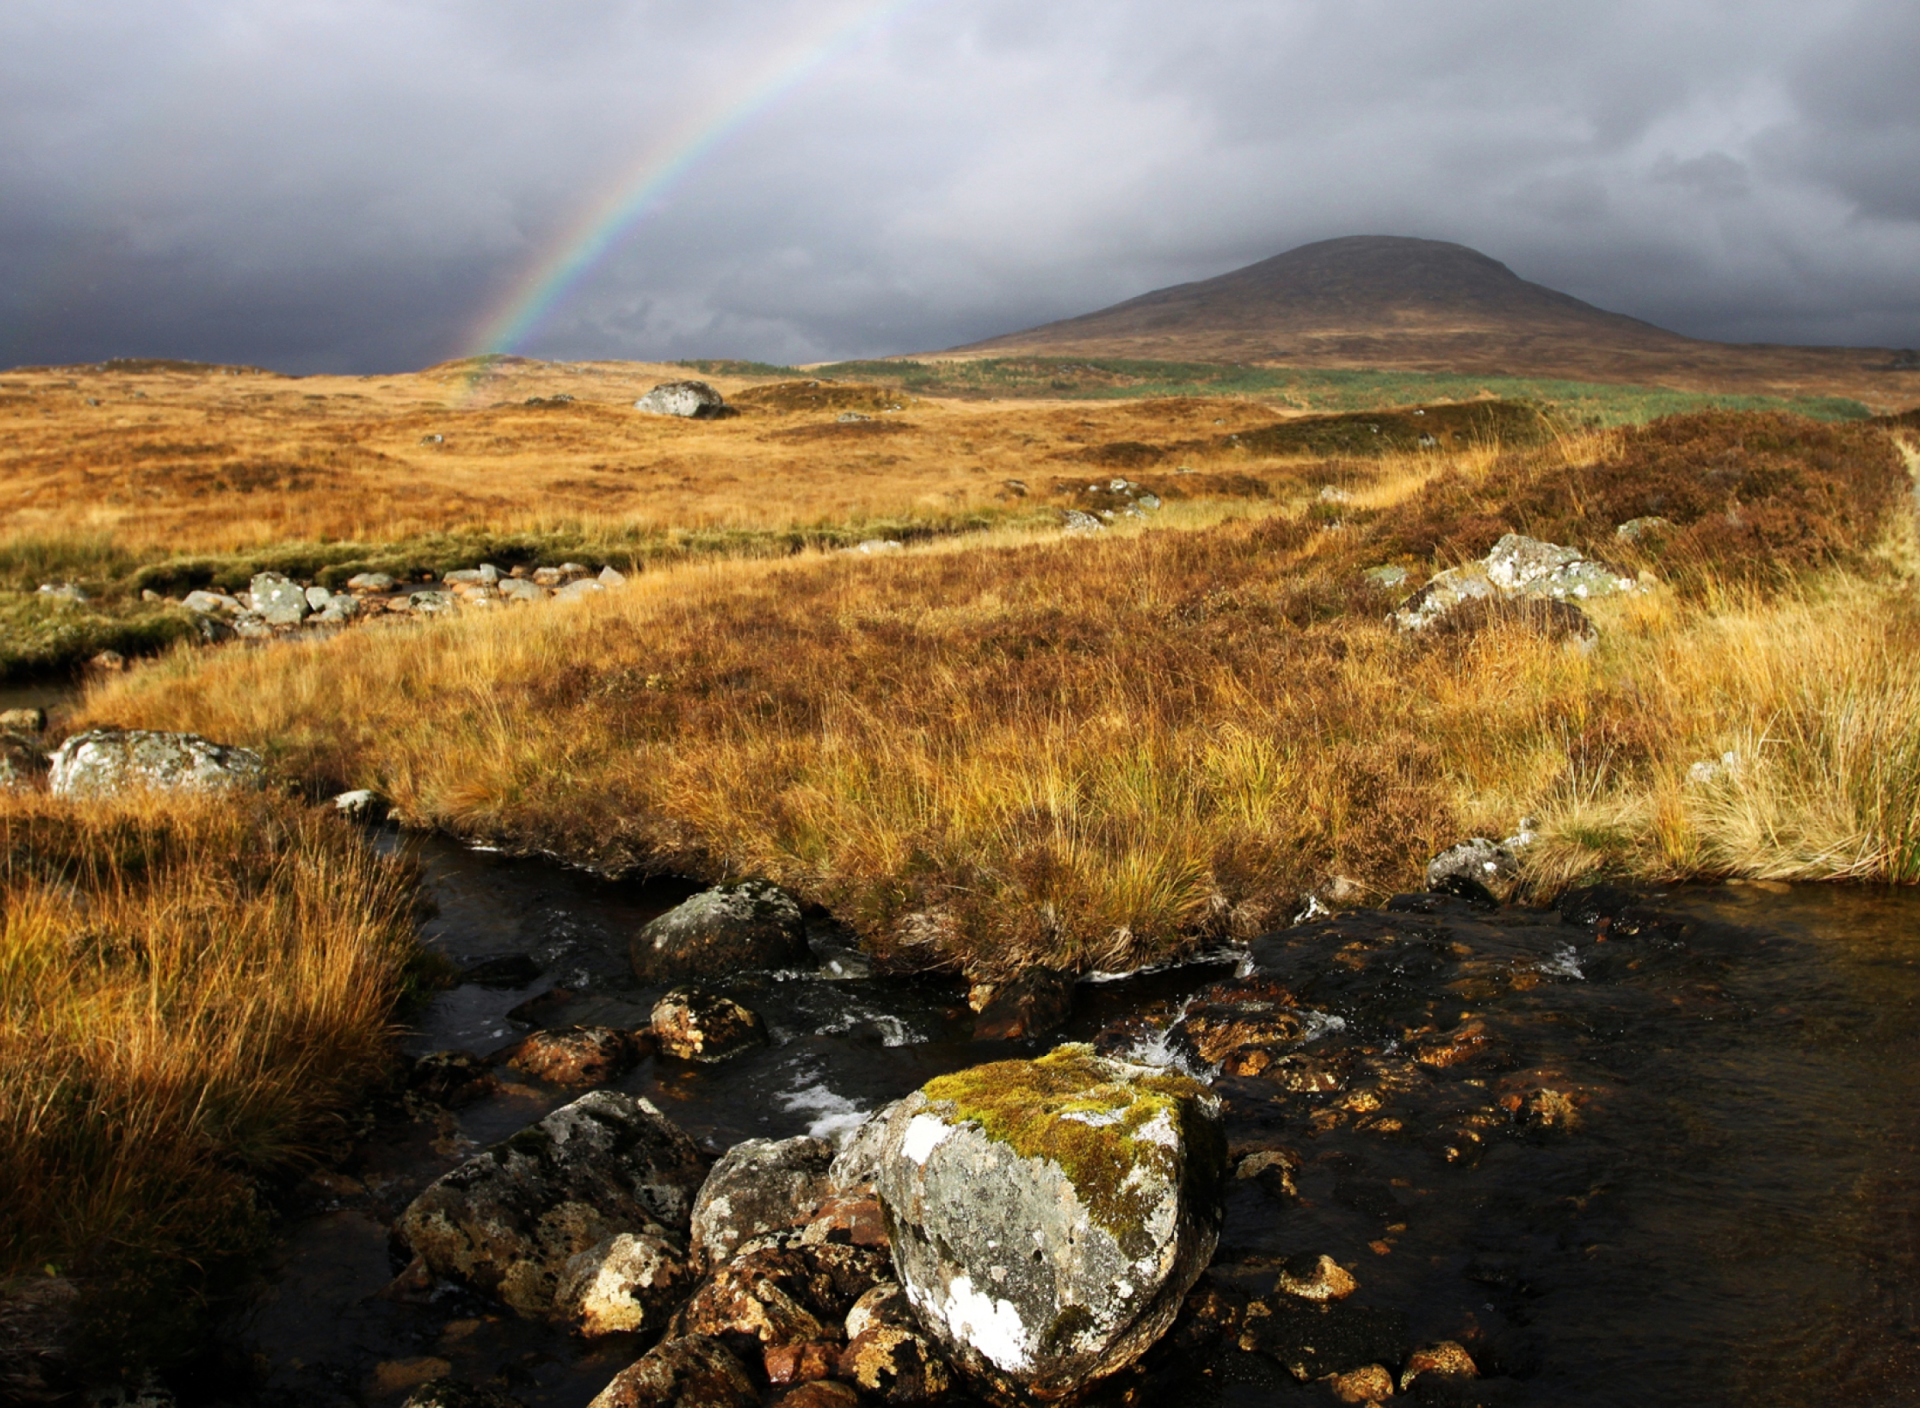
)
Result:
{"points": [[924, 1135], [993, 1327]]}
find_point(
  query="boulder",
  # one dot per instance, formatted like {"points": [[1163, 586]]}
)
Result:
{"points": [[856, 1168], [720, 931], [627, 1284], [361, 804], [1477, 869], [317, 598], [697, 1025], [432, 603], [611, 577], [211, 603], [339, 606], [689, 1372], [770, 1296], [519, 589], [574, 1055], [277, 599], [822, 1393], [757, 1187], [1047, 1217], [370, 582], [694, 400], [508, 1220], [106, 760], [1516, 566]]}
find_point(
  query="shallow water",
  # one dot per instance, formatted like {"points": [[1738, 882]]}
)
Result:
{"points": [[1731, 1221]]}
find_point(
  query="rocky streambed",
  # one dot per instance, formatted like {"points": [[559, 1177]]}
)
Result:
{"points": [[1645, 1147]]}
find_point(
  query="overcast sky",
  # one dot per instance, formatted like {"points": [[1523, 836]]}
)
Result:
{"points": [[356, 185]]}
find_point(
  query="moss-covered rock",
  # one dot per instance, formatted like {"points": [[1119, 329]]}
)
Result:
{"points": [[1048, 1216]]}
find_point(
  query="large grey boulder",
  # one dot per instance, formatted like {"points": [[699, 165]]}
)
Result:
{"points": [[758, 1186], [278, 600], [721, 931], [510, 1219], [107, 760], [694, 400], [1517, 568], [1047, 1217]]}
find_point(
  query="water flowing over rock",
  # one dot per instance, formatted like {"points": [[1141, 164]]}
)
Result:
{"points": [[106, 760], [694, 400], [508, 1220], [758, 1186], [1047, 1217], [721, 931]]}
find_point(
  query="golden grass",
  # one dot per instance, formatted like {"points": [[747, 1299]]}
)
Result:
{"points": [[190, 990], [1095, 752]]}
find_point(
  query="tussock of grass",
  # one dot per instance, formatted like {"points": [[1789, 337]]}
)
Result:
{"points": [[190, 992]]}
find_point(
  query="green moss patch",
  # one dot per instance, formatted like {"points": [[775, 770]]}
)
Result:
{"points": [[1066, 1108]]}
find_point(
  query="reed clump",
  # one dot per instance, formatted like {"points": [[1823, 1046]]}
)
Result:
{"points": [[193, 992]]}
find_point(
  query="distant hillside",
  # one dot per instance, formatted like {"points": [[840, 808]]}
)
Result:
{"points": [[1427, 305]]}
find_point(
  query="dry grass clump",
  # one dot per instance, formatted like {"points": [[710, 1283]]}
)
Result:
{"points": [[1091, 752], [190, 991]]}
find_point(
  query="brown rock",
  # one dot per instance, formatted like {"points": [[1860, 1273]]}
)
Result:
{"points": [[1446, 1358], [1215, 1031], [1321, 1279], [625, 1284], [1275, 1165], [1038, 1001], [849, 1219], [1211, 1314], [779, 1296], [824, 1394], [802, 1362], [1462, 1044], [896, 1364], [451, 1078], [574, 1055], [885, 1304], [399, 1375], [682, 1373], [697, 1025], [1368, 1384]]}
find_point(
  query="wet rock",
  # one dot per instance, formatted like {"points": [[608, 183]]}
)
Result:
{"points": [[801, 1363], [509, 970], [694, 400], [574, 1055], [107, 760], [451, 1078], [1475, 870], [1313, 1339], [37, 1327], [1036, 1002], [1048, 1216], [1275, 1166], [757, 1187], [722, 931], [775, 1296], [697, 1025], [22, 720], [542, 1007], [1464, 1043], [508, 1220], [856, 1168], [689, 1372], [277, 599], [1444, 1359], [1318, 1278], [822, 1394], [628, 1283], [1257, 1024], [896, 1364], [456, 1393], [1367, 1384], [1210, 1315]]}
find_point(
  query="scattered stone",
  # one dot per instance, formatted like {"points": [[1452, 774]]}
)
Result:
{"points": [[1388, 578], [107, 760], [1076, 520], [1318, 1278], [277, 599], [871, 546], [1367, 1384], [250, 625], [1049, 1216], [451, 1078], [1447, 1359], [758, 1186], [211, 603], [1316, 1339], [456, 1393], [723, 930], [697, 1025], [508, 1220], [318, 597], [574, 590], [574, 1055], [1274, 1165], [362, 804], [694, 400], [1517, 566], [628, 1283], [770, 1295], [21, 761], [465, 576], [896, 1364], [519, 589], [1479, 869], [23, 720], [339, 607], [689, 1372], [1636, 530], [370, 582], [806, 1362], [431, 603], [609, 577], [1036, 1002], [433, 439]]}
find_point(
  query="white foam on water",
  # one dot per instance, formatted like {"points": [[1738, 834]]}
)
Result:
{"points": [[834, 1114], [1564, 964]]}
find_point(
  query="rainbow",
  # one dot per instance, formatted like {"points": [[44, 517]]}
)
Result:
{"points": [[603, 223]]}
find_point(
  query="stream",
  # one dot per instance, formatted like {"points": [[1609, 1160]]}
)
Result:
{"points": [[1680, 1168]]}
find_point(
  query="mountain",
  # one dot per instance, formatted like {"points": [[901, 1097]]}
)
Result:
{"points": [[1425, 305]]}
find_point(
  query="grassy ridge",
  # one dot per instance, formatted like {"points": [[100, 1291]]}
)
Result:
{"points": [[190, 991], [1593, 404], [1092, 753]]}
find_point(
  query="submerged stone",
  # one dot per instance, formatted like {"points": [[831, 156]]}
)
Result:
{"points": [[1047, 1217]]}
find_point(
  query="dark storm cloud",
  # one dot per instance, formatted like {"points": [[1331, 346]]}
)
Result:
{"points": [[344, 184]]}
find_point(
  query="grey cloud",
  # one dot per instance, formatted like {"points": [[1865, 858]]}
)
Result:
{"points": [[357, 185]]}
